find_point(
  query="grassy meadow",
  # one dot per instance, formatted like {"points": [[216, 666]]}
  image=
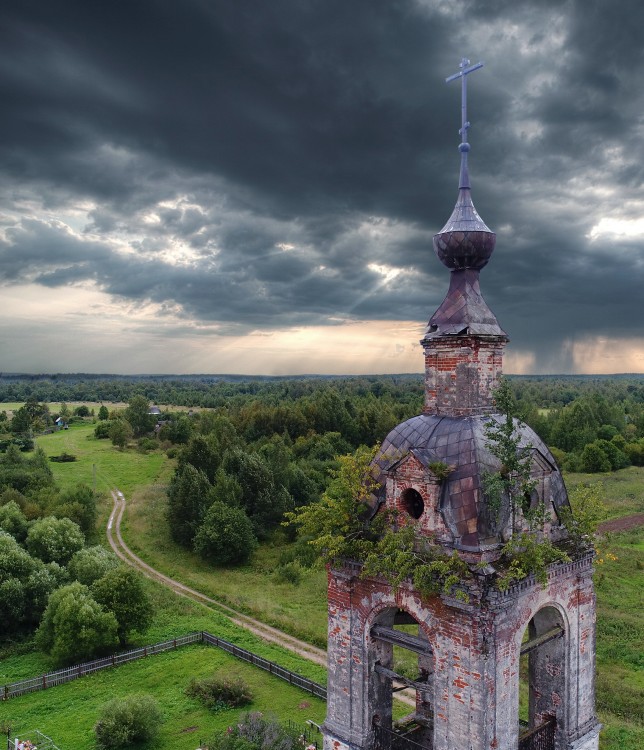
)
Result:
{"points": [[101, 465], [299, 609], [67, 713]]}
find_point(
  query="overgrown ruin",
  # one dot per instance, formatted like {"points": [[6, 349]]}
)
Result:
{"points": [[467, 643]]}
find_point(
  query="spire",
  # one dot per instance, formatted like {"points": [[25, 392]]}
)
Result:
{"points": [[463, 342], [465, 70], [465, 241], [464, 245]]}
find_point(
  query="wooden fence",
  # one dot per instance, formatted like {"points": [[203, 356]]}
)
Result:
{"points": [[285, 674], [51, 679]]}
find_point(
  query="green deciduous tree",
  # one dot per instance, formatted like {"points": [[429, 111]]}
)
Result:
{"points": [[120, 432], [27, 474], [25, 585], [178, 430], [225, 536], [264, 501], [13, 521], [204, 453], [121, 591], [79, 505], [91, 563], [594, 459], [137, 414], [54, 539], [587, 510], [75, 627], [103, 412], [512, 484], [337, 524]]}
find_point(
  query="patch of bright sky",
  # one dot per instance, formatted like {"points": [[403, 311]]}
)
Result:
{"points": [[389, 273], [610, 227]]}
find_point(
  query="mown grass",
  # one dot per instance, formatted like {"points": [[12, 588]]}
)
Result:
{"points": [[68, 713], [100, 464]]}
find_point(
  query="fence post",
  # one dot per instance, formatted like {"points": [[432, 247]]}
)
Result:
{"points": [[44, 682]]}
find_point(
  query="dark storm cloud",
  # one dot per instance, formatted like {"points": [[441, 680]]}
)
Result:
{"points": [[265, 165]]}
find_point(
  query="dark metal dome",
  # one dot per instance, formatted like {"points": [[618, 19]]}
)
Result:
{"points": [[465, 241], [461, 443]]}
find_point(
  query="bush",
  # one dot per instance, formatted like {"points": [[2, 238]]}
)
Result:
{"points": [[256, 732], [126, 721], [147, 444], [594, 460], [102, 429], [302, 551], [290, 572], [220, 692], [63, 458]]}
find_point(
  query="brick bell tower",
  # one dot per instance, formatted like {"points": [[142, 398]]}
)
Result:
{"points": [[462, 662]]}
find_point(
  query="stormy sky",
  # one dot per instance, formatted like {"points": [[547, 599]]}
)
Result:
{"points": [[246, 186]]}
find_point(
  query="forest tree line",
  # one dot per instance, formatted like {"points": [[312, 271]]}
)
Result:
{"points": [[271, 445]]}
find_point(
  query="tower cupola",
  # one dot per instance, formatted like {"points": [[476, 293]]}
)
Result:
{"points": [[463, 342]]}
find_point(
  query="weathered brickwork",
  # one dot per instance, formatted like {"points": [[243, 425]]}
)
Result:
{"points": [[469, 655], [474, 670], [461, 373], [412, 475]]}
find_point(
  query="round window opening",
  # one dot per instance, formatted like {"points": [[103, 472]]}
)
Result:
{"points": [[412, 502]]}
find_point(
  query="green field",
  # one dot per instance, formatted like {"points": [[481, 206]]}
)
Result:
{"points": [[301, 609], [101, 465], [68, 713], [623, 489]]}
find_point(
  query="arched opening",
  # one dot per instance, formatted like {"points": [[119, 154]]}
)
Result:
{"points": [[412, 502], [542, 681], [402, 667]]}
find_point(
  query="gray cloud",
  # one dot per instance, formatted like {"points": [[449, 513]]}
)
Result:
{"points": [[267, 165]]}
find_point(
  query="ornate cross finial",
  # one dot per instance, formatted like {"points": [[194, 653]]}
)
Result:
{"points": [[465, 69]]}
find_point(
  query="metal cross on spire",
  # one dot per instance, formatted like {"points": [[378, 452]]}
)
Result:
{"points": [[465, 70]]}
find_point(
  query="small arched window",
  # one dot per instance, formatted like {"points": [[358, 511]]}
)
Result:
{"points": [[412, 502]]}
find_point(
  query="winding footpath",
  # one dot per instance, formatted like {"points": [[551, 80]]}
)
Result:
{"points": [[268, 633], [264, 631]]}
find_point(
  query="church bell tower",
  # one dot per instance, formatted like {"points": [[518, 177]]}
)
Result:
{"points": [[454, 664]]}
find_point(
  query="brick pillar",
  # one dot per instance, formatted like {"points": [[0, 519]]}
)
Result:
{"points": [[461, 373]]}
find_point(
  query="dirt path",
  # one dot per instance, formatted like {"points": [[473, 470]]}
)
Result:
{"points": [[622, 524], [266, 632]]}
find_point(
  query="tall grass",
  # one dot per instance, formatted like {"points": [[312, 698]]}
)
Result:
{"points": [[254, 588]]}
